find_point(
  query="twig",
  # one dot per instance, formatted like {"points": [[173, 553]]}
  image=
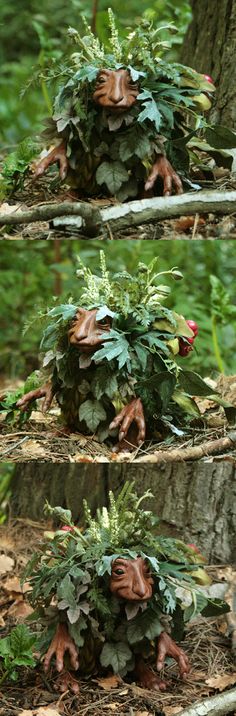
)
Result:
{"points": [[192, 453], [10, 449], [90, 214], [219, 705]]}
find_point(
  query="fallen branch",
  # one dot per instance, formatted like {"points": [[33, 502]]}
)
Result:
{"points": [[85, 216], [219, 705], [89, 215], [206, 449]]}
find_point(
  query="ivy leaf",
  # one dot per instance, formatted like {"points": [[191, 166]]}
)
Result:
{"points": [[113, 174], [115, 655], [88, 72], [165, 386], [103, 383], [116, 348], [147, 626], [150, 112], [193, 384], [76, 629], [66, 593], [220, 137], [93, 413], [186, 403], [65, 311], [103, 312]]}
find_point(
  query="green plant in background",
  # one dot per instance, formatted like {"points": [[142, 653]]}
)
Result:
{"points": [[28, 282], [16, 650], [73, 567], [222, 312], [39, 39], [6, 473]]}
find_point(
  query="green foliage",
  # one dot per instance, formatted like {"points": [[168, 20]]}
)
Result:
{"points": [[74, 567], [16, 650], [16, 165], [6, 473]]}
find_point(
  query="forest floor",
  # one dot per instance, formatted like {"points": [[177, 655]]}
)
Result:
{"points": [[213, 669], [41, 438], [48, 191]]}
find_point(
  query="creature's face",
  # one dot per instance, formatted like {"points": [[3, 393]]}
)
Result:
{"points": [[86, 332], [131, 579], [115, 90]]}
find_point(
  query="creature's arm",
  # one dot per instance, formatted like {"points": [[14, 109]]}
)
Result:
{"points": [[131, 413], [46, 391], [61, 643], [167, 647], [58, 154], [163, 169]]}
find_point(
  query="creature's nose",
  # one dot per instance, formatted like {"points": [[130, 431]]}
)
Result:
{"points": [[80, 334], [116, 98], [139, 588]]}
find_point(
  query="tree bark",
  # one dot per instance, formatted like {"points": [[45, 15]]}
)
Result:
{"points": [[194, 501], [210, 48]]}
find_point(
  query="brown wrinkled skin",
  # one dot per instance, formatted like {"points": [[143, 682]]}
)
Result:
{"points": [[44, 392], [130, 580], [116, 92], [131, 416], [86, 332]]}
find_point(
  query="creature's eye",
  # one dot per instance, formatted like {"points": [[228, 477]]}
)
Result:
{"points": [[118, 571], [101, 81], [103, 322]]}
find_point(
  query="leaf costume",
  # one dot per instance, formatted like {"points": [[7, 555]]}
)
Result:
{"points": [[114, 152], [136, 358], [74, 568]]}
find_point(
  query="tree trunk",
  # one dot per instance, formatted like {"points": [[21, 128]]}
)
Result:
{"points": [[210, 47], [194, 501]]}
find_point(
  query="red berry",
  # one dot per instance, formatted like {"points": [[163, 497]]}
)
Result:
{"points": [[184, 348], [66, 528], [193, 326], [209, 79]]}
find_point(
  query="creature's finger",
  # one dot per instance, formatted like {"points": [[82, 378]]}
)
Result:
{"points": [[151, 178], [141, 428], [60, 652], [161, 655], [73, 656], [184, 666], [63, 164], [177, 183], [117, 420], [48, 657], [167, 179], [126, 425], [47, 401]]}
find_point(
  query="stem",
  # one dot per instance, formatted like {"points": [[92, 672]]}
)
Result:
{"points": [[94, 16], [4, 677], [219, 360]]}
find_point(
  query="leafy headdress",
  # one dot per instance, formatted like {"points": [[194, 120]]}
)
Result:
{"points": [[73, 568], [169, 104]]}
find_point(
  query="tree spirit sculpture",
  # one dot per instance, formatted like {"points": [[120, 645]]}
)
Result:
{"points": [[110, 358], [115, 594], [125, 115]]}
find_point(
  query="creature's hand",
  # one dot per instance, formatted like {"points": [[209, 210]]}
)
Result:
{"points": [[61, 643], [146, 677], [163, 169], [133, 412], [46, 391], [167, 647], [56, 155]]}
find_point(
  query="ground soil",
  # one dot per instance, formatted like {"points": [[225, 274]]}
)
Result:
{"points": [[210, 226]]}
